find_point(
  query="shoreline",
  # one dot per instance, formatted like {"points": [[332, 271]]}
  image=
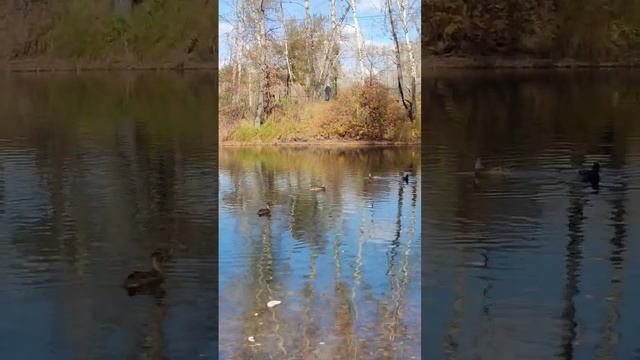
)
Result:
{"points": [[504, 62], [327, 143], [38, 66]]}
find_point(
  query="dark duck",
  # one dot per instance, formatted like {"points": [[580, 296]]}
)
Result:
{"points": [[265, 211], [591, 176], [143, 280]]}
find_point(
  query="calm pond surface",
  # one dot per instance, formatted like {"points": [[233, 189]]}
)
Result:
{"points": [[345, 263], [97, 171], [531, 263]]}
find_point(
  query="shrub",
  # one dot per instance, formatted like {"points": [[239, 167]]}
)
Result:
{"points": [[366, 112]]}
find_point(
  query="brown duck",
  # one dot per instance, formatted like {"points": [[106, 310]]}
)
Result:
{"points": [[144, 279], [318, 188], [265, 211]]}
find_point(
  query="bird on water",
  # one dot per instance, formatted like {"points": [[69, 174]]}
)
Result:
{"points": [[139, 280], [591, 176], [318, 188], [480, 169], [265, 211]]}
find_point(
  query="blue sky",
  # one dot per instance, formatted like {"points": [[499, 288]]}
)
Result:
{"points": [[371, 19]]}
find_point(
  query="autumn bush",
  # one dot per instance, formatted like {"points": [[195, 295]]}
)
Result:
{"points": [[366, 112], [369, 112]]}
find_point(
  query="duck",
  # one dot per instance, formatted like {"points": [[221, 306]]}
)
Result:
{"points": [[373, 177], [591, 176], [479, 169], [318, 188], [138, 280], [405, 178], [265, 211]]}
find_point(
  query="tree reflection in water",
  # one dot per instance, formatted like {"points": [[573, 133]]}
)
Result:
{"points": [[344, 262], [97, 171], [516, 265]]}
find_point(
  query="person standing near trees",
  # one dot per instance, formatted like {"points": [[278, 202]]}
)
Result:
{"points": [[327, 93]]}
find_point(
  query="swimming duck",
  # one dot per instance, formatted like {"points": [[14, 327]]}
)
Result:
{"points": [[479, 169], [145, 279], [372, 177], [265, 211], [405, 178], [592, 176], [318, 188]]}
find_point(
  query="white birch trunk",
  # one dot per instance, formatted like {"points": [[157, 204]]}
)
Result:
{"points": [[237, 61], [236, 68], [286, 49], [310, 53], [405, 28], [358, 40], [412, 61], [262, 59], [406, 103], [331, 53], [333, 75]]}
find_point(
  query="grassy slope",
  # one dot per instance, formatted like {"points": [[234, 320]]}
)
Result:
{"points": [[84, 33], [303, 124]]}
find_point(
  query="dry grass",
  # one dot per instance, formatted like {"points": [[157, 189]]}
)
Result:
{"points": [[289, 123], [368, 113]]}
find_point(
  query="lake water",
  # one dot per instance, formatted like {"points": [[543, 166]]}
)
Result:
{"points": [[345, 262], [531, 263], [97, 171]]}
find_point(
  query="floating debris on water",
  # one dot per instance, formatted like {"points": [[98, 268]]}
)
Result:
{"points": [[251, 338], [273, 303]]}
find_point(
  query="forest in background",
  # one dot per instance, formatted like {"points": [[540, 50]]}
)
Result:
{"points": [[590, 30], [129, 32], [138, 31], [272, 85]]}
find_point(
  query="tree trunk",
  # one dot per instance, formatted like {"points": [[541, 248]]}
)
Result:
{"points": [[290, 77], [237, 59], [333, 75], [407, 104], [262, 64], [358, 39], [412, 61], [310, 53], [331, 54]]}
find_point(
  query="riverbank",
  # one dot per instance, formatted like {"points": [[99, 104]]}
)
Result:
{"points": [[505, 62], [366, 114], [41, 65], [326, 143]]}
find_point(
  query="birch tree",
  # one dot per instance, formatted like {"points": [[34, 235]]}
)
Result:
{"points": [[412, 62], [333, 75], [261, 37], [290, 77], [238, 47], [310, 81], [408, 105], [358, 39], [330, 59]]}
